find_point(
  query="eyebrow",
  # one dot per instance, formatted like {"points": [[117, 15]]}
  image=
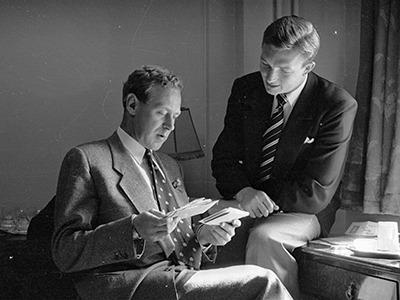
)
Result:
{"points": [[162, 106], [281, 67]]}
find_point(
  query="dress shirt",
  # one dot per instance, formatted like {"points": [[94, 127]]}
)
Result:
{"points": [[291, 98], [137, 151]]}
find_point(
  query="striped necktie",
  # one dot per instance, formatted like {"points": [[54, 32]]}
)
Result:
{"points": [[270, 140], [187, 248]]}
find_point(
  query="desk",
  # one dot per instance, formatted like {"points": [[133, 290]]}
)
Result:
{"points": [[328, 273]]}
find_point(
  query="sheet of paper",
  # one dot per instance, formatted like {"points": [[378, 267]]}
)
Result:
{"points": [[225, 215], [363, 229], [195, 207]]}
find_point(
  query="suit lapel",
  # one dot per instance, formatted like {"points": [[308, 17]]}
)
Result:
{"points": [[256, 107], [296, 128], [132, 182]]}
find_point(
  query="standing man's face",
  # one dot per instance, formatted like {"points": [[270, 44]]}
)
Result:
{"points": [[282, 70], [153, 121]]}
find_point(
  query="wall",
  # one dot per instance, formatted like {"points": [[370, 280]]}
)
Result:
{"points": [[63, 65]]}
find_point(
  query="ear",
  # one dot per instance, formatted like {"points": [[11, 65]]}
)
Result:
{"points": [[131, 104], [309, 67]]}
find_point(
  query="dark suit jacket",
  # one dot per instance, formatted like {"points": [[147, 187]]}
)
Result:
{"points": [[99, 189], [305, 176]]}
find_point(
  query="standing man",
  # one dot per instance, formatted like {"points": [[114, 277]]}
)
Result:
{"points": [[283, 148], [111, 231]]}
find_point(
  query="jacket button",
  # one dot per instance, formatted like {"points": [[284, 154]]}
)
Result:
{"points": [[307, 190]]}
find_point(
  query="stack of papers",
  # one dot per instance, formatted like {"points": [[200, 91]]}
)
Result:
{"points": [[367, 229], [195, 207], [226, 215]]}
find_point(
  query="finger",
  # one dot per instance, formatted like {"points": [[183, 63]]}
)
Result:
{"points": [[268, 204], [257, 212], [158, 218], [221, 233], [156, 225], [157, 236], [262, 210], [156, 230], [236, 223], [225, 227], [172, 223], [228, 228], [153, 235], [157, 213], [175, 220]]}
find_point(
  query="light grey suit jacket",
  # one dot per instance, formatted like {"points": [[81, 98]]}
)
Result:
{"points": [[99, 188]]}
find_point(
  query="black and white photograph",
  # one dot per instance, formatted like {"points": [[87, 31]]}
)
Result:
{"points": [[200, 149]]}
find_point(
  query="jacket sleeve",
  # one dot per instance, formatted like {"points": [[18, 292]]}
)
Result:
{"points": [[228, 151], [310, 187], [78, 243]]}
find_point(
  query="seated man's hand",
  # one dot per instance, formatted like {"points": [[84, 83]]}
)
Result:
{"points": [[153, 225], [256, 202], [217, 235]]}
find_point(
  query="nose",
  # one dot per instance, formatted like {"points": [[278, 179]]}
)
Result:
{"points": [[271, 75], [169, 122]]}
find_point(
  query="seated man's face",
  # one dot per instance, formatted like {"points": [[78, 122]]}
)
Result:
{"points": [[283, 70], [155, 119]]}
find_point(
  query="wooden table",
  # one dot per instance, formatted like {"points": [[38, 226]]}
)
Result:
{"points": [[335, 273]]}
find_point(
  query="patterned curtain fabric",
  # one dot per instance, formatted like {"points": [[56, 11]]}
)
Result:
{"points": [[372, 177]]}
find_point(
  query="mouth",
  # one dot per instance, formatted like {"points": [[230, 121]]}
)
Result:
{"points": [[272, 86]]}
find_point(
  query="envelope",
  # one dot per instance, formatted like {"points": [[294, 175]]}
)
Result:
{"points": [[224, 215], [195, 207]]}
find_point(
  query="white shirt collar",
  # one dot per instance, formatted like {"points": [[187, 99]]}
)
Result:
{"points": [[294, 95], [135, 149]]}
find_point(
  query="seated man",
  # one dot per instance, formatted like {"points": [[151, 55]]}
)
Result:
{"points": [[110, 228]]}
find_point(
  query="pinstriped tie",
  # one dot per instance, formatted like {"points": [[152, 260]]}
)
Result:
{"points": [[270, 140]]}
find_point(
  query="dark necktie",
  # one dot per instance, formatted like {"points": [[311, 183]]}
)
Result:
{"points": [[270, 140], [187, 248]]}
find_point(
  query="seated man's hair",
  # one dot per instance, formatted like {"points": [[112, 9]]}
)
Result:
{"points": [[142, 80], [293, 32]]}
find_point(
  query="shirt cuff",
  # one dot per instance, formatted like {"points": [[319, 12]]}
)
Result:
{"points": [[209, 250], [138, 242]]}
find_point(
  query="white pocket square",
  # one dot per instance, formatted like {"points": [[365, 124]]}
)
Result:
{"points": [[308, 140]]}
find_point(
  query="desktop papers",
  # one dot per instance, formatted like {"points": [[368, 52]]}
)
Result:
{"points": [[224, 215], [195, 207]]}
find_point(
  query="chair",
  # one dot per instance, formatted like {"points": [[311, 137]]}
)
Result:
{"points": [[42, 278]]}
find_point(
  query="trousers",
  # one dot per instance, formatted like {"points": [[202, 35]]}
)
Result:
{"points": [[242, 282], [272, 240]]}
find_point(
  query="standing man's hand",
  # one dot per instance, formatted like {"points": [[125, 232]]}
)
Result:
{"points": [[153, 225], [256, 202]]}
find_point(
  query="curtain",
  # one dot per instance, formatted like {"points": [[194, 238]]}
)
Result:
{"points": [[372, 179]]}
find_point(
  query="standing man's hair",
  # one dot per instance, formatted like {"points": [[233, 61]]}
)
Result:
{"points": [[142, 80], [293, 32]]}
